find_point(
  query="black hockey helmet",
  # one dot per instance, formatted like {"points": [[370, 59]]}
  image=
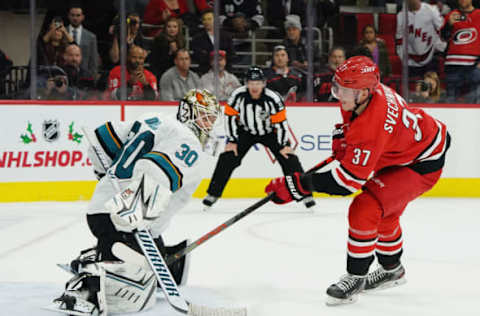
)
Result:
{"points": [[255, 73]]}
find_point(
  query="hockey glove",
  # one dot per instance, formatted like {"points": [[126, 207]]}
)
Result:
{"points": [[138, 205], [287, 189], [339, 144]]}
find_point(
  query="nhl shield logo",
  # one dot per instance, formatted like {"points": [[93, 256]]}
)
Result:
{"points": [[51, 130]]}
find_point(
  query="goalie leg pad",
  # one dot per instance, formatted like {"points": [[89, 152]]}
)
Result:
{"points": [[129, 287], [122, 287]]}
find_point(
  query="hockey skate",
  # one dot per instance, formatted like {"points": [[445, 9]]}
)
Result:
{"points": [[345, 291], [384, 279], [84, 294], [208, 202]]}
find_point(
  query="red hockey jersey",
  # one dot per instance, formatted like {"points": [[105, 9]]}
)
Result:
{"points": [[137, 89], [464, 42], [387, 133]]}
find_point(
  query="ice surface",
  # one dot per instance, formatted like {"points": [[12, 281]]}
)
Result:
{"points": [[277, 261]]}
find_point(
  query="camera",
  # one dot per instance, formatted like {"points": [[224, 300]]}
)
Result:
{"points": [[116, 23], [425, 86], [462, 17], [59, 82], [58, 21]]}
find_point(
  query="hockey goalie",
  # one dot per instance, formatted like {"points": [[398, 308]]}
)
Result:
{"points": [[158, 163]]}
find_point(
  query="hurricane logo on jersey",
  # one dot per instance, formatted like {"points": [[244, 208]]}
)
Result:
{"points": [[465, 36], [51, 130]]}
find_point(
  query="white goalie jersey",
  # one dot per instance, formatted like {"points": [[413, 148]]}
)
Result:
{"points": [[155, 145]]}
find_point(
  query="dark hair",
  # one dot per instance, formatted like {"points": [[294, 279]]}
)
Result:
{"points": [[180, 50], [334, 48], [367, 26], [207, 10], [75, 5]]}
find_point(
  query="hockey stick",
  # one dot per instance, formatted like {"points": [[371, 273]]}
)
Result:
{"points": [[156, 261], [172, 258]]}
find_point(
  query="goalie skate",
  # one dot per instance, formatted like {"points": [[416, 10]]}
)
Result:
{"points": [[66, 267]]}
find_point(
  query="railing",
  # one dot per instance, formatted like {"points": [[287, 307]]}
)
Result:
{"points": [[14, 82], [323, 41]]}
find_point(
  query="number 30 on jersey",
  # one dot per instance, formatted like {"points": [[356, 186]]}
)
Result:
{"points": [[187, 155]]}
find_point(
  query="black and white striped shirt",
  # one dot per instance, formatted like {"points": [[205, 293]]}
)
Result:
{"points": [[257, 117]]}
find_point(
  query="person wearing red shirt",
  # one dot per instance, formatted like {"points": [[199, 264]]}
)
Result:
{"points": [[462, 67], [141, 83], [158, 11], [393, 153]]}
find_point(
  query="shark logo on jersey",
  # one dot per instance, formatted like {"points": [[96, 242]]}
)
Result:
{"points": [[153, 123], [51, 130]]}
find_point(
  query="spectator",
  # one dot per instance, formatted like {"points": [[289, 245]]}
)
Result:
{"points": [[134, 36], [158, 11], [52, 84], [424, 25], [202, 43], [137, 6], [80, 81], [377, 49], [442, 7], [241, 16], [51, 45], [5, 66], [85, 39], [462, 67], [165, 46], [286, 81], [323, 79], [176, 81], [227, 82], [328, 13], [278, 10], [428, 90], [294, 43], [141, 83]]}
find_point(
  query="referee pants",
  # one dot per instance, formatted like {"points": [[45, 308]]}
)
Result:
{"points": [[227, 161]]}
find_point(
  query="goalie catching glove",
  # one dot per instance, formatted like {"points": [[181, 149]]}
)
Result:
{"points": [[287, 189], [139, 205]]}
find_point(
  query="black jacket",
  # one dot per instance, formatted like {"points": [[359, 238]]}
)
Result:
{"points": [[202, 46]]}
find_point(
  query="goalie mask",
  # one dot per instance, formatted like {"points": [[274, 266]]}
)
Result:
{"points": [[200, 111]]}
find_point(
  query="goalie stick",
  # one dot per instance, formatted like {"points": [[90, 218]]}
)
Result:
{"points": [[172, 258], [158, 264]]}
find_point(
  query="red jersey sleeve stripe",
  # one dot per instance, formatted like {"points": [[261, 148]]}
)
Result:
{"points": [[345, 180]]}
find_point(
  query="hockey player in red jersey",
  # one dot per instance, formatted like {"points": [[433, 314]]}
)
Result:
{"points": [[393, 153]]}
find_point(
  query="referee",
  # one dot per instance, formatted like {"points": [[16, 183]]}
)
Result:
{"points": [[254, 114]]}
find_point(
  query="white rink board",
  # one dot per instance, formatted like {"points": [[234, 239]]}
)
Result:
{"points": [[312, 127], [48, 154], [20, 162]]}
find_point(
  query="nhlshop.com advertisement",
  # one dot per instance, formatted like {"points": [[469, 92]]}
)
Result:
{"points": [[43, 148], [46, 143]]}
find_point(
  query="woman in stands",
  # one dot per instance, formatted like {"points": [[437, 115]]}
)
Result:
{"points": [[378, 50], [165, 45], [51, 44]]}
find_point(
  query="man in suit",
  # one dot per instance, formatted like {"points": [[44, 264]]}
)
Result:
{"points": [[85, 39], [202, 44]]}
